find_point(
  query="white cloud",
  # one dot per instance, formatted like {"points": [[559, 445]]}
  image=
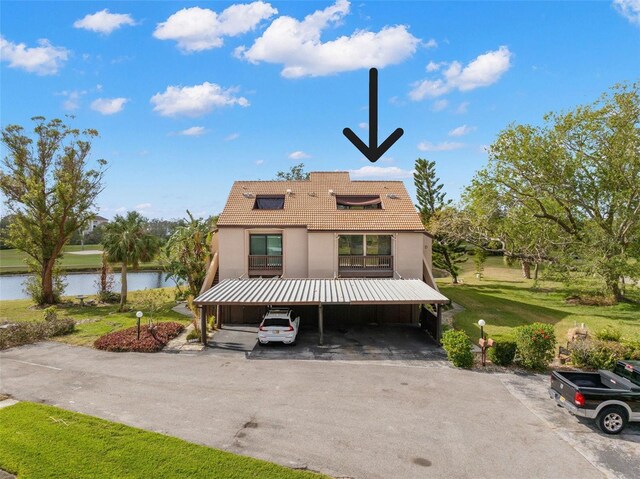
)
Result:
{"points": [[194, 131], [143, 206], [72, 99], [194, 101], [440, 105], [462, 108], [196, 29], [108, 106], [297, 45], [232, 136], [444, 146], [485, 70], [364, 125], [44, 59], [104, 22], [629, 9], [259, 162], [431, 43], [433, 67], [462, 130], [298, 155], [382, 172]]}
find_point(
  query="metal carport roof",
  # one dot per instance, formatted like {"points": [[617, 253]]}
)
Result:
{"points": [[288, 291]]}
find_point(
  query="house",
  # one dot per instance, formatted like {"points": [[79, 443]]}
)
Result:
{"points": [[94, 223], [334, 249]]}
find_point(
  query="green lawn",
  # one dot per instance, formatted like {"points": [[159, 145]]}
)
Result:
{"points": [[504, 299], [38, 441], [13, 261], [99, 319]]}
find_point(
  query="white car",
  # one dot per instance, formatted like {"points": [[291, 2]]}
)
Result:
{"points": [[278, 326]]}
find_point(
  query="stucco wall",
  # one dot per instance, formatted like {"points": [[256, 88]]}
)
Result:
{"points": [[322, 255], [408, 255], [232, 254], [295, 250]]}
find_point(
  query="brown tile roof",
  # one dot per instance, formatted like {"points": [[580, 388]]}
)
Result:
{"points": [[310, 204]]}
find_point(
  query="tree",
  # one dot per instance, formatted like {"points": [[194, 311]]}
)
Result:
{"points": [[50, 192], [188, 251], [448, 251], [295, 173], [578, 174], [126, 241]]}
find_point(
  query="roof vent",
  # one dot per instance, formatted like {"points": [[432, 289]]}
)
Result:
{"points": [[312, 193], [393, 196], [247, 195], [289, 191], [331, 192]]}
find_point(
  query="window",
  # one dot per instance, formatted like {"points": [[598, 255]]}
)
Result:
{"points": [[353, 245], [265, 245], [359, 202], [378, 245], [350, 245], [269, 202]]}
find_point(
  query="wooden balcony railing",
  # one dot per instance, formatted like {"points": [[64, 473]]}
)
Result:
{"points": [[365, 263], [265, 263]]}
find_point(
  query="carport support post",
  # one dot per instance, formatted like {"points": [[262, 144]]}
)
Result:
{"points": [[203, 325], [439, 322], [320, 325]]}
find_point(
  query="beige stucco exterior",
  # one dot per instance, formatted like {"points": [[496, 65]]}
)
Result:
{"points": [[311, 254]]}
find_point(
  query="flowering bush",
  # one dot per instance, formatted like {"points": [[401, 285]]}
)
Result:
{"points": [[151, 340], [535, 345], [17, 334], [458, 348]]}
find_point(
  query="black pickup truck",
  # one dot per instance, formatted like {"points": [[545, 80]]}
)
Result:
{"points": [[611, 398]]}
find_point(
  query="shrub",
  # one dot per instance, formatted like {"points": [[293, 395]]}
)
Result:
{"points": [[12, 335], [597, 354], [212, 322], [193, 334], [535, 345], [458, 348], [609, 333], [502, 353], [33, 287], [108, 297], [631, 350], [50, 313], [151, 339]]}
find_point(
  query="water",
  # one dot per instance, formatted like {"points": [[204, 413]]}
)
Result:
{"points": [[11, 286]]}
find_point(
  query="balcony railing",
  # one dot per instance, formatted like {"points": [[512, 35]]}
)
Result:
{"points": [[265, 264], [356, 265]]}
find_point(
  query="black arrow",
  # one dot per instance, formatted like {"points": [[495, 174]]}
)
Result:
{"points": [[373, 152]]}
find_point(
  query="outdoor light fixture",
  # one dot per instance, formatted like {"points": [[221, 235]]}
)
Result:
{"points": [[139, 315], [481, 323]]}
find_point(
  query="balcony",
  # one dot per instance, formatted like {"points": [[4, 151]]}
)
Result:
{"points": [[354, 266], [265, 265]]}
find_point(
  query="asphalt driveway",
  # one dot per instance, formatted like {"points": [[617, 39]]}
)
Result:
{"points": [[365, 419]]}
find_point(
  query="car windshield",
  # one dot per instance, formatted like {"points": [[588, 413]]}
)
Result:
{"points": [[628, 372], [284, 322]]}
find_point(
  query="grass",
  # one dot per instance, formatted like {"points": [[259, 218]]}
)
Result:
{"points": [[38, 441], [13, 261], [99, 320], [504, 299]]}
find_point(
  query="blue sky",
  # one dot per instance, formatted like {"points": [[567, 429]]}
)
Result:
{"points": [[190, 96]]}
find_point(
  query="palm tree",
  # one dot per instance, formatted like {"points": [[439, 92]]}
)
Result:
{"points": [[126, 241]]}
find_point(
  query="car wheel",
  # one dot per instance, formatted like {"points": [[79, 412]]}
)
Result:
{"points": [[612, 419]]}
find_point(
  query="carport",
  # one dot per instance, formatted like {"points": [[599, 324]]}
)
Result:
{"points": [[321, 293]]}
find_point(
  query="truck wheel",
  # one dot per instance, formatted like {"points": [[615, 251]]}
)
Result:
{"points": [[612, 419]]}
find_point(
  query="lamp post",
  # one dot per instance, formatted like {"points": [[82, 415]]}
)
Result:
{"points": [[483, 345], [139, 316]]}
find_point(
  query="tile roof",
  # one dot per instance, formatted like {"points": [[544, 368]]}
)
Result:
{"points": [[311, 205]]}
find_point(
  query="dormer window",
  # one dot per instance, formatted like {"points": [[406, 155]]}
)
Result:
{"points": [[269, 202], [369, 202]]}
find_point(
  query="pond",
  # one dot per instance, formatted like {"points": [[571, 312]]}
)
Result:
{"points": [[11, 286]]}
